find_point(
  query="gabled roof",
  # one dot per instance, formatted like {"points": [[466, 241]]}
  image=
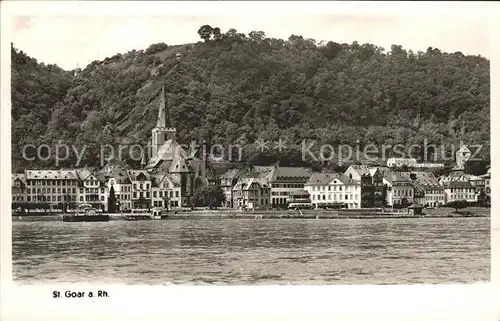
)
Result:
{"points": [[157, 179], [19, 176], [246, 183], [463, 149], [361, 169], [135, 175], [83, 173], [168, 152], [114, 165]]}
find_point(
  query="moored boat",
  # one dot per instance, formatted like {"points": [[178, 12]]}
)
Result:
{"points": [[156, 213], [85, 213]]}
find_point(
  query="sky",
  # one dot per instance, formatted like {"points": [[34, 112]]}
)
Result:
{"points": [[76, 40]]}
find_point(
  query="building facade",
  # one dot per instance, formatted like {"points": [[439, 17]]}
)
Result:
{"points": [[283, 181], [251, 193], [333, 190]]}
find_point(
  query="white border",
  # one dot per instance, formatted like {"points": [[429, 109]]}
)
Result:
{"points": [[454, 302]]}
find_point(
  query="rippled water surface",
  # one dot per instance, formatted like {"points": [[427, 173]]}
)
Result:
{"points": [[385, 251]]}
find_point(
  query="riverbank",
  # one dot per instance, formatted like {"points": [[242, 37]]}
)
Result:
{"points": [[286, 214]]}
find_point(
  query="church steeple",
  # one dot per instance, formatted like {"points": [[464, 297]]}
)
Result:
{"points": [[163, 119], [163, 130]]}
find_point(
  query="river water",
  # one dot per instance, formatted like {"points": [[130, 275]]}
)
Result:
{"points": [[240, 251]]}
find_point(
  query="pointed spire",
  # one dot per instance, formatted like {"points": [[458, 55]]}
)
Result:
{"points": [[163, 121]]}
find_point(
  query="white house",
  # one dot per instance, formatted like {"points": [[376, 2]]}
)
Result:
{"points": [[397, 162], [333, 189]]}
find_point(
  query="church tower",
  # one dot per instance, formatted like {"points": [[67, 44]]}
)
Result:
{"points": [[163, 130]]}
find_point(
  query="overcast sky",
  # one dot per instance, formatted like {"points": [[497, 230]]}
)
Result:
{"points": [[77, 40]]}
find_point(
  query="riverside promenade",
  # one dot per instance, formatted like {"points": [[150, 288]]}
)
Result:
{"points": [[286, 214]]}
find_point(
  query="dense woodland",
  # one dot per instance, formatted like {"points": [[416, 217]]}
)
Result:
{"points": [[233, 85]]}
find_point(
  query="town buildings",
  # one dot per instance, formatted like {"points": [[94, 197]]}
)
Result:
{"points": [[433, 192], [333, 190], [171, 177], [371, 182], [251, 193], [283, 181], [399, 190]]}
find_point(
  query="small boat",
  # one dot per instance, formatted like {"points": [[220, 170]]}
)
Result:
{"points": [[85, 213], [156, 214]]}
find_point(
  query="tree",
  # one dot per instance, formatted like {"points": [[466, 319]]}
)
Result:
{"points": [[457, 205], [479, 167], [112, 200], [206, 32], [211, 196]]}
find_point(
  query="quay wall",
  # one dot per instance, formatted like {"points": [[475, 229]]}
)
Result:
{"points": [[476, 212]]}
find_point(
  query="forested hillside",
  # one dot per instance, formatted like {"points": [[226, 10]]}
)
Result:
{"points": [[232, 84]]}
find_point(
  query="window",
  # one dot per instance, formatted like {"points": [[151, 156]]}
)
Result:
{"points": [[176, 193], [154, 193], [147, 194], [81, 198], [135, 194], [102, 198]]}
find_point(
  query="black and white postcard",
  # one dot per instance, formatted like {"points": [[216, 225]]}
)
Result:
{"points": [[199, 160]]}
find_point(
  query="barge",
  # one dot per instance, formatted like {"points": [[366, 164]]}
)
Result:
{"points": [[85, 214]]}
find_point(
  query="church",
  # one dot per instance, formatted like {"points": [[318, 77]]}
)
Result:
{"points": [[170, 161]]}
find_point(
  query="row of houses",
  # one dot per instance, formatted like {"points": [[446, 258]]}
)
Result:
{"points": [[132, 188], [360, 186]]}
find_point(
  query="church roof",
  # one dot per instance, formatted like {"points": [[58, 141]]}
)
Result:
{"points": [[179, 165], [169, 151]]}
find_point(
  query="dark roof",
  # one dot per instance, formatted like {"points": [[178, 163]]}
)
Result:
{"points": [[396, 177], [326, 178], [134, 175], [298, 173], [457, 184], [51, 174]]}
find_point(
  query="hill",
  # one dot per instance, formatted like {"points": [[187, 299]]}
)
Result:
{"points": [[232, 85]]}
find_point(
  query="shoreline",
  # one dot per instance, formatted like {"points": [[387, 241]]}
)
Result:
{"points": [[263, 215]]}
